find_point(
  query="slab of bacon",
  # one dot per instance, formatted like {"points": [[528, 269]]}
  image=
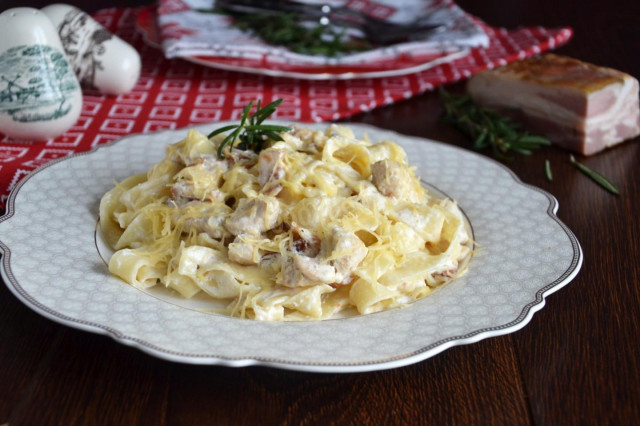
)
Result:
{"points": [[579, 106]]}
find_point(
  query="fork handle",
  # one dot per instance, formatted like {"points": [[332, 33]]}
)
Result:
{"points": [[271, 7]]}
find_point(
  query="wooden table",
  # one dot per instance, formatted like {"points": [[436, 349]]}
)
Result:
{"points": [[577, 362]]}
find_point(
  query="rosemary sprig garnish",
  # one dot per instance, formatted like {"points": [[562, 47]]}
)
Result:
{"points": [[285, 29], [547, 170], [251, 132], [488, 128], [595, 176]]}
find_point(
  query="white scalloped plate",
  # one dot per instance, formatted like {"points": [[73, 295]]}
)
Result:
{"points": [[52, 265]]}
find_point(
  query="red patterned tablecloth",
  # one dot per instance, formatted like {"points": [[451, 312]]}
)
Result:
{"points": [[172, 94]]}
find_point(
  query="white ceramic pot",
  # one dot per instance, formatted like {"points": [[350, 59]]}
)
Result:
{"points": [[100, 59], [40, 97]]}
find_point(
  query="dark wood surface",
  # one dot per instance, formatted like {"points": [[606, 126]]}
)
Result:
{"points": [[576, 362]]}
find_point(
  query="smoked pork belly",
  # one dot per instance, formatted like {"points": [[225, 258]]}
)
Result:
{"points": [[579, 106]]}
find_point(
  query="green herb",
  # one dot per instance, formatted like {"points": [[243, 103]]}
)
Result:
{"points": [[251, 132], [547, 170], [595, 176], [488, 128], [285, 29]]}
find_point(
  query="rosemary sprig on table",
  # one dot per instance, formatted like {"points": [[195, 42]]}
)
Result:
{"points": [[595, 176], [488, 128], [251, 132]]}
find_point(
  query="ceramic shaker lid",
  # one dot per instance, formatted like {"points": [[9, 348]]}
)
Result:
{"points": [[100, 59], [40, 97]]}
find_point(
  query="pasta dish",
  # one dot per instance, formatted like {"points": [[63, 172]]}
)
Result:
{"points": [[313, 226]]}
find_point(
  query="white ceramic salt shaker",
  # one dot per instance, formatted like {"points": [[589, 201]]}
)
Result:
{"points": [[100, 59], [40, 97]]}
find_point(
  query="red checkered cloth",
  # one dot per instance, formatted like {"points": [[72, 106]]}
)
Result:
{"points": [[171, 94]]}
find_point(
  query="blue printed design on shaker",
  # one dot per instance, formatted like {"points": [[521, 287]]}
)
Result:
{"points": [[35, 83]]}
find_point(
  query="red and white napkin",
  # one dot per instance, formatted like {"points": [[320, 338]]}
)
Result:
{"points": [[187, 29]]}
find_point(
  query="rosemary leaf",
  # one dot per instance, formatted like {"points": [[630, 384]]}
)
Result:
{"points": [[535, 139], [520, 150], [222, 130], [488, 128], [547, 170], [269, 127], [595, 176]]}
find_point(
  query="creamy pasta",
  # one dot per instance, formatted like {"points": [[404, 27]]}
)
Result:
{"points": [[311, 227]]}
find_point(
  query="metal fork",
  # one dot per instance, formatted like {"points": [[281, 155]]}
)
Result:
{"points": [[375, 30]]}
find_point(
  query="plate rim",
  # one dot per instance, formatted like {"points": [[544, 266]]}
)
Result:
{"points": [[522, 319], [327, 76]]}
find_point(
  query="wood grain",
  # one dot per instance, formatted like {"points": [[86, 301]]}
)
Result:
{"points": [[579, 356], [577, 362]]}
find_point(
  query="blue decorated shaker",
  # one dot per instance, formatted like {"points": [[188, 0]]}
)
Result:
{"points": [[40, 97]]}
